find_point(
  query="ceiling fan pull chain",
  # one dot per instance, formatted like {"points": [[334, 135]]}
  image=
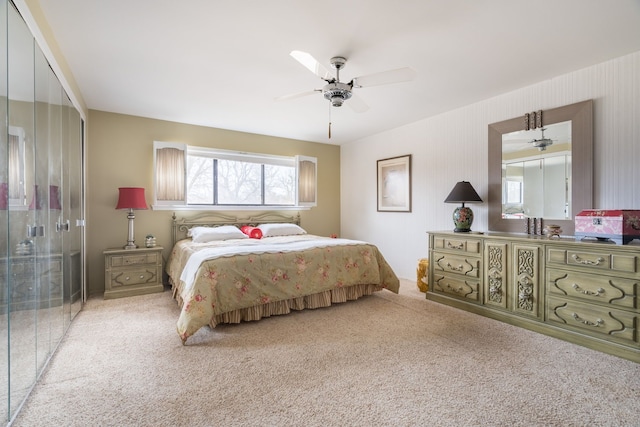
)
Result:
{"points": [[329, 121]]}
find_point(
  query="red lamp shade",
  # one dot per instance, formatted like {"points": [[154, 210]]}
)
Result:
{"points": [[131, 198], [36, 200], [54, 198], [4, 196]]}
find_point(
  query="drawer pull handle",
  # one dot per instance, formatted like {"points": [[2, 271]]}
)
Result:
{"points": [[458, 290], [126, 278], [595, 293], [458, 247], [141, 276], [458, 268], [579, 260], [596, 324]]}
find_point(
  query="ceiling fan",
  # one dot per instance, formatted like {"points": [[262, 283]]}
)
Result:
{"points": [[338, 92], [542, 143]]}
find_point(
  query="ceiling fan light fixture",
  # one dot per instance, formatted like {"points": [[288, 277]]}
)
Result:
{"points": [[337, 93], [542, 143]]}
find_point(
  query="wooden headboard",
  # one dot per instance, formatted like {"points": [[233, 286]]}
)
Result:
{"points": [[180, 227]]}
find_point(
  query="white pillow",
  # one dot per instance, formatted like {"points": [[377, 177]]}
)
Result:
{"points": [[210, 234], [271, 230]]}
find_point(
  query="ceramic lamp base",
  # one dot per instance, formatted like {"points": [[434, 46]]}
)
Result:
{"points": [[462, 218]]}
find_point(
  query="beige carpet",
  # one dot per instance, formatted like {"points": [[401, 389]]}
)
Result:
{"points": [[385, 360]]}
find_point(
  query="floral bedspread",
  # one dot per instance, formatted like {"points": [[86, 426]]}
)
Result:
{"points": [[230, 283]]}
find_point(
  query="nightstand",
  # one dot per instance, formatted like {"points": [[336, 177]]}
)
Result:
{"points": [[129, 272], [36, 281]]}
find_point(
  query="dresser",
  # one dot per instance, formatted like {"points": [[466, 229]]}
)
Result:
{"points": [[583, 292], [129, 272]]}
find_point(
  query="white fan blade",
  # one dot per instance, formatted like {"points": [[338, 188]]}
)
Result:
{"points": [[297, 95], [357, 104], [311, 64], [385, 77]]}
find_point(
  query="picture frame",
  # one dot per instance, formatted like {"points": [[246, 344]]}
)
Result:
{"points": [[394, 184]]}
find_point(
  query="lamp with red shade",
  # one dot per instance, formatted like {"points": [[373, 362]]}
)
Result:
{"points": [[131, 198]]}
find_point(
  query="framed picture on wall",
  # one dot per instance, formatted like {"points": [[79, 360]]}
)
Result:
{"points": [[394, 184]]}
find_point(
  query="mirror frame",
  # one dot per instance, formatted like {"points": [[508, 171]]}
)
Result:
{"points": [[581, 116]]}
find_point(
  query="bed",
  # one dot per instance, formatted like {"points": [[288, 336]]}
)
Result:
{"points": [[219, 277]]}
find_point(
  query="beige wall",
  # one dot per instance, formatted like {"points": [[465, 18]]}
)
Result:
{"points": [[120, 154]]}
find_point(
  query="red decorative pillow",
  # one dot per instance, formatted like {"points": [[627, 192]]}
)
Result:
{"points": [[253, 232]]}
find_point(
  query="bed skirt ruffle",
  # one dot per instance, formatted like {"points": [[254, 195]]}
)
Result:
{"points": [[277, 308]]}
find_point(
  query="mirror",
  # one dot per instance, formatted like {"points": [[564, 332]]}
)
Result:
{"points": [[536, 173], [554, 183], [21, 288]]}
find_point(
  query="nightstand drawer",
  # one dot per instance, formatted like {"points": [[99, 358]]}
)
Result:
{"points": [[23, 268], [52, 266], [133, 277], [35, 281], [133, 259]]}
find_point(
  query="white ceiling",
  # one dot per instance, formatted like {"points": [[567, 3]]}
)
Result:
{"points": [[222, 63]]}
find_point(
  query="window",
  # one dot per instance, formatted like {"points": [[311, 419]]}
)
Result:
{"points": [[513, 192], [16, 167], [170, 173], [203, 177], [307, 188]]}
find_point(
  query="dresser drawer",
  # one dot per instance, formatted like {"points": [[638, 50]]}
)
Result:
{"points": [[133, 259], [132, 277], [613, 291], [604, 322], [462, 245], [459, 264], [459, 287], [593, 260]]}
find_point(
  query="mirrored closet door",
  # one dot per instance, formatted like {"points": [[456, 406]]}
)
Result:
{"points": [[41, 211]]}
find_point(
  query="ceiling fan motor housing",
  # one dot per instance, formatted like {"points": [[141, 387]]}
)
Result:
{"points": [[337, 93], [542, 143]]}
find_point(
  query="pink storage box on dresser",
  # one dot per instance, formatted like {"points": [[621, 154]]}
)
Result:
{"points": [[619, 225]]}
